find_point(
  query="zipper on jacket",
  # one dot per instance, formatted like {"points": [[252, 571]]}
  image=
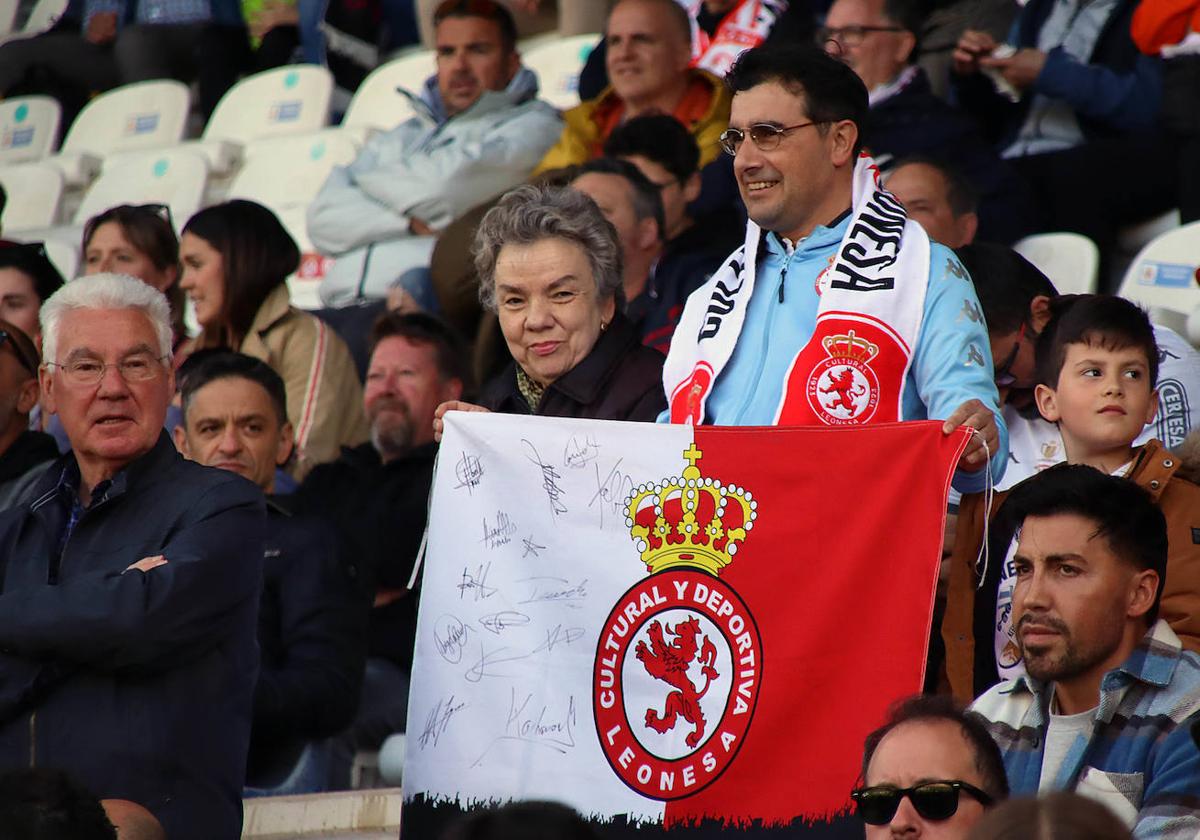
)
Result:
{"points": [[32, 739], [766, 346]]}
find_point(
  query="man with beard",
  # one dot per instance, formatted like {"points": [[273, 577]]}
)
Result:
{"points": [[1107, 701], [377, 494]]}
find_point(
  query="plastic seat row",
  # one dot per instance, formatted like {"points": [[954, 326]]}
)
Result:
{"points": [[43, 15], [283, 101]]}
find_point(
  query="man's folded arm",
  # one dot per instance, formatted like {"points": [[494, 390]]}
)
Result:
{"points": [[133, 619]]}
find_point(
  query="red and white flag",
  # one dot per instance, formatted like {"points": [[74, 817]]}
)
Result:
{"points": [[669, 626]]}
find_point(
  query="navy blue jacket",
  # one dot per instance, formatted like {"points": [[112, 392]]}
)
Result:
{"points": [[312, 627], [139, 684]]}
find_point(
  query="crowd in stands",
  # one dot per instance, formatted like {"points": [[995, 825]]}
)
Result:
{"points": [[175, 637]]}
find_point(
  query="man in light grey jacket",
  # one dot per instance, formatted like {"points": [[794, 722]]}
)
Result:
{"points": [[479, 130]]}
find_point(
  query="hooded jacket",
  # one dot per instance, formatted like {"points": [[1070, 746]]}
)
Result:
{"points": [[432, 168]]}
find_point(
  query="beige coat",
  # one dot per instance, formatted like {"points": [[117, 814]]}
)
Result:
{"points": [[324, 395]]}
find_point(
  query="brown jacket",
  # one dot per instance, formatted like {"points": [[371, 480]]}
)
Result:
{"points": [[1154, 470], [324, 394]]}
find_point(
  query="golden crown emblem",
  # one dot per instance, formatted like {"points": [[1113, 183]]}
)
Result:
{"points": [[690, 520], [850, 346]]}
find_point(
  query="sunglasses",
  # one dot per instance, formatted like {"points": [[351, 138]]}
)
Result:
{"points": [[1004, 376], [29, 364], [765, 136], [932, 800]]}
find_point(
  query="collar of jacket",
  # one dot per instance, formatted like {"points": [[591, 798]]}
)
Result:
{"points": [[161, 455], [1153, 467], [587, 380], [822, 237], [275, 307], [1152, 662], [608, 99], [522, 88]]}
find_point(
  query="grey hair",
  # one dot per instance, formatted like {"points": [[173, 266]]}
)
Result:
{"points": [[105, 291], [533, 212]]}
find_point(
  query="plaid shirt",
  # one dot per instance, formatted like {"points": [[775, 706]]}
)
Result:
{"points": [[1140, 760]]}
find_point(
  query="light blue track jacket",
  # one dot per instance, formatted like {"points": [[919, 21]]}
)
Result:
{"points": [[952, 362]]}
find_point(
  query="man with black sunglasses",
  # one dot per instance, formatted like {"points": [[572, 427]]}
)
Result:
{"points": [[929, 772]]}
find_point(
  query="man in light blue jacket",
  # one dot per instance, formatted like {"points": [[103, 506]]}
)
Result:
{"points": [[479, 130], [838, 310]]}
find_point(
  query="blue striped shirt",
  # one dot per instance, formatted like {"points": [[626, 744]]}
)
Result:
{"points": [[1139, 758]]}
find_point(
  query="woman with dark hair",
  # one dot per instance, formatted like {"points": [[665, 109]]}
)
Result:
{"points": [[236, 259], [138, 240]]}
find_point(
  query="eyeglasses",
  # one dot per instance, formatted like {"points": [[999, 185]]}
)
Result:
{"points": [[932, 800], [1004, 375], [140, 367], [851, 36], [765, 136], [22, 354]]}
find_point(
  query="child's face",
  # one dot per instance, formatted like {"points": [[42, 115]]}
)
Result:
{"points": [[1103, 398]]}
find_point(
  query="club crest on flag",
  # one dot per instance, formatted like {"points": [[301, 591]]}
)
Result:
{"points": [[682, 636], [842, 388]]}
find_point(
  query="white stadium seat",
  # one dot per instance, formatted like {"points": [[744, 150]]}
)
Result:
{"points": [[64, 255], [557, 65], [285, 174], [131, 118], [1165, 277], [8, 16], [28, 128], [173, 177], [1070, 260], [288, 100], [44, 15], [377, 104], [34, 191]]}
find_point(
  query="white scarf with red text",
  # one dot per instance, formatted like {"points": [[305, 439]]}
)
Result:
{"points": [[746, 25]]}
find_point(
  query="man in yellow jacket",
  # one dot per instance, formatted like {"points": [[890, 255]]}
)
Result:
{"points": [[649, 50]]}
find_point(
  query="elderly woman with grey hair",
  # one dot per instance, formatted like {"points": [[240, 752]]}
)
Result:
{"points": [[549, 266]]}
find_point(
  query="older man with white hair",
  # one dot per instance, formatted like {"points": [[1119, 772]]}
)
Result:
{"points": [[129, 585]]}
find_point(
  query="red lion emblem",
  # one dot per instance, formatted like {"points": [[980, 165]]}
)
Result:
{"points": [[669, 663], [843, 385]]}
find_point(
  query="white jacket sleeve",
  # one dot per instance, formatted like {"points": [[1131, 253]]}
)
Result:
{"points": [[343, 216], [441, 181]]}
